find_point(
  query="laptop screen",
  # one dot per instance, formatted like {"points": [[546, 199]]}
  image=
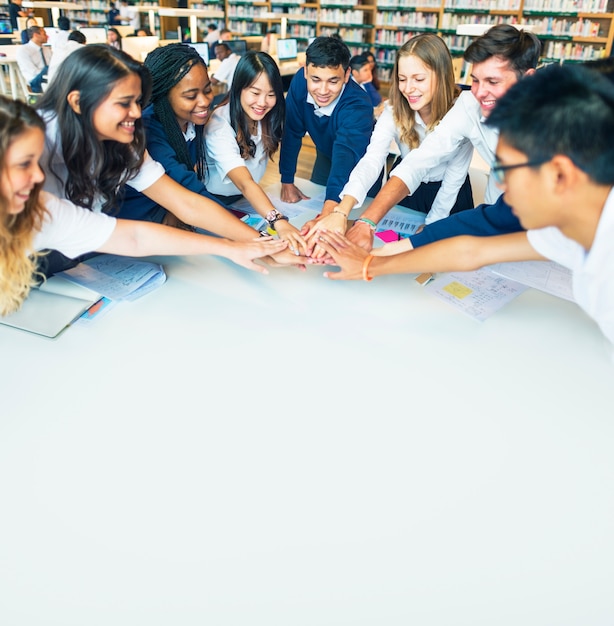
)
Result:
{"points": [[94, 35], [5, 27], [238, 46], [287, 49], [203, 50]]}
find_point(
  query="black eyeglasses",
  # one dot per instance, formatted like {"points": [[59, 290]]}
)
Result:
{"points": [[498, 171]]}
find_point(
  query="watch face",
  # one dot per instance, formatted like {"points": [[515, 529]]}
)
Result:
{"points": [[272, 215]]}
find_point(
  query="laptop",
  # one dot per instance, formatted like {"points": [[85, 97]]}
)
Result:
{"points": [[203, 50], [287, 50]]}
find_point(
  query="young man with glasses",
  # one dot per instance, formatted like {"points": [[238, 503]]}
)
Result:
{"points": [[554, 164]]}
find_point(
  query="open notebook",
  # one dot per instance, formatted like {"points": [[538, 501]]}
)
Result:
{"points": [[53, 307]]}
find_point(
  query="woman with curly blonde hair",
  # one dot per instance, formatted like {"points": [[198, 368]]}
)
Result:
{"points": [[32, 220], [17, 227], [422, 92]]}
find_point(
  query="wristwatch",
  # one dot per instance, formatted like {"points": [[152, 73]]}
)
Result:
{"points": [[274, 216]]}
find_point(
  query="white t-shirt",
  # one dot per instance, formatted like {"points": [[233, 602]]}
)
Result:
{"points": [[226, 71], [70, 229], [131, 16], [593, 271], [223, 154], [59, 54], [463, 121], [52, 163], [451, 170]]}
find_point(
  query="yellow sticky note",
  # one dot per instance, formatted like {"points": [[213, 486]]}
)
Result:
{"points": [[458, 290]]}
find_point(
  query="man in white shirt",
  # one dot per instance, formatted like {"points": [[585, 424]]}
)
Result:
{"points": [[228, 63], [213, 34], [500, 58], [129, 15], [32, 59], [76, 39]]}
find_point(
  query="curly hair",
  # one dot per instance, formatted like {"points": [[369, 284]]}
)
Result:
{"points": [[168, 65], [17, 264], [95, 168], [433, 52]]}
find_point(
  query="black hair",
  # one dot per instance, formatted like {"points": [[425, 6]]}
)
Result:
{"points": [[221, 44], [251, 65], [168, 65], [114, 30], [328, 52], [31, 30], [94, 168], [604, 65], [565, 110], [63, 23], [78, 36], [520, 48], [358, 61]]}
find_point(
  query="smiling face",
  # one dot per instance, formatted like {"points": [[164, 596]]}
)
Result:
{"points": [[259, 98], [526, 189], [21, 169], [324, 84], [191, 97], [490, 80], [363, 75], [114, 118], [417, 83]]}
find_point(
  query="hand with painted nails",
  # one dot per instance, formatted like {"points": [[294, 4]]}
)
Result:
{"points": [[292, 235]]}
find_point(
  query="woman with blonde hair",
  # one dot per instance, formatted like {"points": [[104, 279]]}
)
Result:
{"points": [[422, 91]]}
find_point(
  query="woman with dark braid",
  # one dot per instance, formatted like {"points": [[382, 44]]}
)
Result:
{"points": [[244, 133], [180, 105], [95, 145]]}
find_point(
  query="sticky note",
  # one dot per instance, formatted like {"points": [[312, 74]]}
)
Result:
{"points": [[387, 236], [458, 290]]}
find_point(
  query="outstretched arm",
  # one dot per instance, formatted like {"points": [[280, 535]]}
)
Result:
{"points": [[251, 190], [390, 194], [197, 210], [455, 254], [134, 238]]}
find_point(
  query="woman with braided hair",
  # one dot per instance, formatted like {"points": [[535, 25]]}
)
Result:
{"points": [[179, 107], [95, 145], [244, 133]]}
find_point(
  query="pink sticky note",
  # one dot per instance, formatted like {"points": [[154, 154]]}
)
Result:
{"points": [[387, 236]]}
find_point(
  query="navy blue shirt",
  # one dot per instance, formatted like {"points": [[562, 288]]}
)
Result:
{"points": [[137, 206], [343, 136], [485, 220]]}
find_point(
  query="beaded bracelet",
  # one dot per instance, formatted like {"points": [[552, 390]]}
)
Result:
{"points": [[372, 225], [340, 213], [365, 267]]}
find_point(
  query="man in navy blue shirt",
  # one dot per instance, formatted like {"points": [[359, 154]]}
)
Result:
{"points": [[336, 113]]}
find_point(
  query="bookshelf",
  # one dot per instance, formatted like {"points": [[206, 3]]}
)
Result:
{"points": [[571, 30]]}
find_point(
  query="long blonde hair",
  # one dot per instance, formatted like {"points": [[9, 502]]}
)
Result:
{"points": [[433, 52], [17, 263]]}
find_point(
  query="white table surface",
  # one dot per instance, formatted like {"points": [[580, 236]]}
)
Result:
{"points": [[235, 450]]}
